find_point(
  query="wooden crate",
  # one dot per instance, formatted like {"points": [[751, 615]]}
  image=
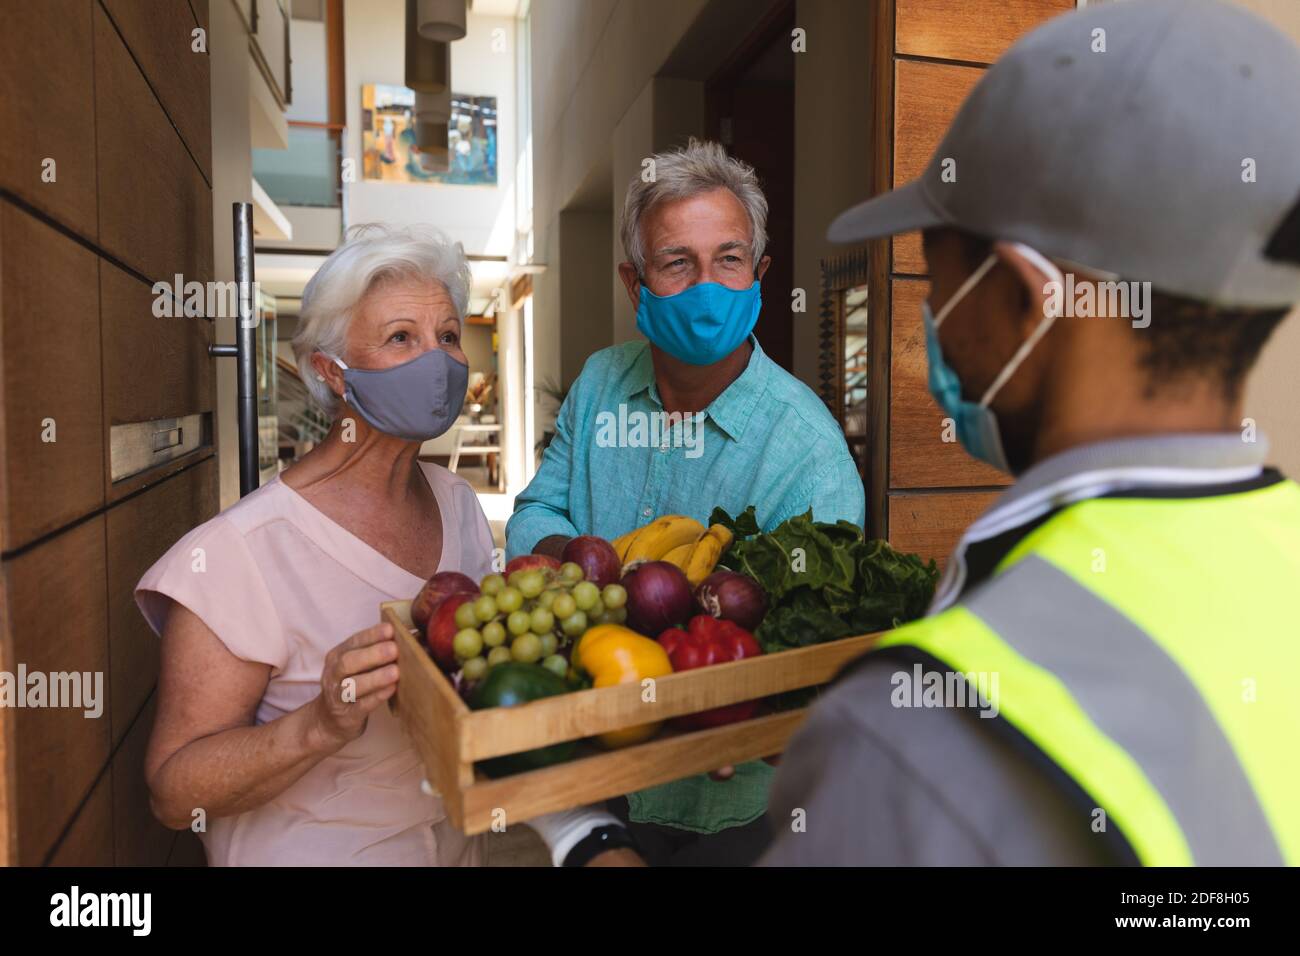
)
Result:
{"points": [[450, 737]]}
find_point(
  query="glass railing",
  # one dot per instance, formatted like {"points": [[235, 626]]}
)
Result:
{"points": [[307, 173]]}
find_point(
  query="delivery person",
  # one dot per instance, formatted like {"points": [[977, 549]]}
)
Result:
{"points": [[1106, 672]]}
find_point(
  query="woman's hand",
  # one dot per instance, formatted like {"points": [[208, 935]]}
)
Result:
{"points": [[358, 676]]}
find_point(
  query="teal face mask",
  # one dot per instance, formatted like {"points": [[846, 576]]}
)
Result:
{"points": [[702, 324], [976, 422]]}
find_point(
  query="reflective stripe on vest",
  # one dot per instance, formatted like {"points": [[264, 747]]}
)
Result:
{"points": [[1142, 738]]}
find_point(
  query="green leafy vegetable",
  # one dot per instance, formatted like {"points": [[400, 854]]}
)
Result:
{"points": [[825, 581]]}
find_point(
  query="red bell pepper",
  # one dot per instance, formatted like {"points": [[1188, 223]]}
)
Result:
{"points": [[709, 640]]}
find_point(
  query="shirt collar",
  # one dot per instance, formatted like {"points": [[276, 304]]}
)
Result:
{"points": [[732, 409], [1091, 471]]}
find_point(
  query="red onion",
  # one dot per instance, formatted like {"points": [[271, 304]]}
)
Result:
{"points": [[597, 558], [441, 585], [658, 597], [732, 596]]}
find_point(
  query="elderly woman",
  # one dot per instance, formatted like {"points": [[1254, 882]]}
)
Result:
{"points": [[271, 724]]}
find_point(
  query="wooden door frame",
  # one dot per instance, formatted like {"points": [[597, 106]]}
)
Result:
{"points": [[879, 278]]}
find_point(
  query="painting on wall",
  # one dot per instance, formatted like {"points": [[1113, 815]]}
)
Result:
{"points": [[388, 151]]}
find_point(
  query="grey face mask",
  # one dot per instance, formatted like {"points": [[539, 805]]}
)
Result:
{"points": [[416, 400]]}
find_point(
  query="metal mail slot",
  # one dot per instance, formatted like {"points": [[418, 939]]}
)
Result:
{"points": [[139, 446]]}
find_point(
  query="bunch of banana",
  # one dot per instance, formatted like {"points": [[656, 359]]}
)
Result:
{"points": [[679, 540]]}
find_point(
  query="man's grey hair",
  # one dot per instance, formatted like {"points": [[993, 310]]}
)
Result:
{"points": [[371, 253], [699, 167]]}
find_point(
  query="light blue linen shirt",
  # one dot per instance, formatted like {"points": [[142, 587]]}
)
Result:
{"points": [[767, 441]]}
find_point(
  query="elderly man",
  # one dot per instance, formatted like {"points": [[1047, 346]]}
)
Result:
{"points": [[743, 432]]}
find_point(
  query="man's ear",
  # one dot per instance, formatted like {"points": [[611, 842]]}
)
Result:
{"points": [[627, 272], [763, 263], [326, 368], [1033, 282]]}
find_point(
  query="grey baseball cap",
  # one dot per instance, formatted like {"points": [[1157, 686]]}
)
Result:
{"points": [[1172, 157]]}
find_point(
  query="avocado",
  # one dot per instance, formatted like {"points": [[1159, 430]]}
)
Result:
{"points": [[510, 684]]}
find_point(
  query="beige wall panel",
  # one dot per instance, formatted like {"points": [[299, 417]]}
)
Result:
{"points": [[57, 616], [931, 524], [49, 380], [54, 118], [155, 209], [975, 30], [160, 37]]}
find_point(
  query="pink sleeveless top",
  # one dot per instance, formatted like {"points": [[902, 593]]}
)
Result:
{"points": [[280, 583]]}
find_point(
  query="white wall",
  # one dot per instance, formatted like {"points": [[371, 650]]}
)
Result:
{"points": [[832, 148], [592, 63], [481, 217], [310, 72]]}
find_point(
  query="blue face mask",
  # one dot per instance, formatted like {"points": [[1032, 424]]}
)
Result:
{"points": [[976, 422], [702, 324]]}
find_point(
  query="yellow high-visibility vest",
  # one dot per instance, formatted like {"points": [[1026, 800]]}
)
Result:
{"points": [[1147, 648]]}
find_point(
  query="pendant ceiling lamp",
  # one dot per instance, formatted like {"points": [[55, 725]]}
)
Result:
{"points": [[442, 20], [428, 63], [433, 107], [431, 141]]}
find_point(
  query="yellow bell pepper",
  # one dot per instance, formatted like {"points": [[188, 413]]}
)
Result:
{"points": [[612, 654]]}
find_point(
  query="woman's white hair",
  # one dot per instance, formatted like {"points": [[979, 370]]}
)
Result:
{"points": [[371, 253], [699, 167]]}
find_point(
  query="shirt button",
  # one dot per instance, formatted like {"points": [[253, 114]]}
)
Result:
{"points": [[646, 513]]}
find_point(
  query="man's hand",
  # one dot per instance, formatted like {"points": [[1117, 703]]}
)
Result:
{"points": [[552, 546], [620, 857], [727, 772]]}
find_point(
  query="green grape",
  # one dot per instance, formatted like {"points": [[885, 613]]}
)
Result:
{"points": [[564, 606], [556, 664], [549, 644], [574, 624], [570, 572], [614, 595], [492, 585], [527, 649], [546, 598], [499, 655], [596, 610], [510, 600], [467, 643], [586, 595], [531, 583], [518, 623], [465, 616], [513, 580], [616, 615], [541, 620], [474, 668], [485, 608], [494, 634], [595, 619]]}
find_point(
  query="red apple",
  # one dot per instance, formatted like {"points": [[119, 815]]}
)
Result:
{"points": [[439, 586], [599, 561], [441, 630], [526, 561]]}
